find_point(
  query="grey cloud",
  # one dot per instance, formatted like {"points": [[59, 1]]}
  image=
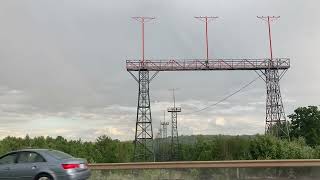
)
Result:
{"points": [[64, 61]]}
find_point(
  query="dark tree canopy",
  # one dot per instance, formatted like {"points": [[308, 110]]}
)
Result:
{"points": [[305, 122]]}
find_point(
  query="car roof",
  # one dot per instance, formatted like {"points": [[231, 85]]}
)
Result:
{"points": [[34, 150], [23, 150]]}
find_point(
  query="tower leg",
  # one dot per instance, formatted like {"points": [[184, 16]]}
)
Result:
{"points": [[143, 148], [276, 123], [175, 146]]}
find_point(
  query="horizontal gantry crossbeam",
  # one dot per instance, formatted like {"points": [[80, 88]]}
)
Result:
{"points": [[203, 65]]}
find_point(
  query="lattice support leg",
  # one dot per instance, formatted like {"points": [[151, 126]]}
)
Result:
{"points": [[276, 123], [143, 148]]}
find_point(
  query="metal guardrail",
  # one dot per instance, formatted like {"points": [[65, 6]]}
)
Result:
{"points": [[208, 164]]}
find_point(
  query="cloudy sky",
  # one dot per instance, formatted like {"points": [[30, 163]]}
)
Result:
{"points": [[62, 64]]}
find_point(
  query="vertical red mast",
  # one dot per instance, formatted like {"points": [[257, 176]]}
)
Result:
{"points": [[143, 20], [268, 19], [206, 19]]}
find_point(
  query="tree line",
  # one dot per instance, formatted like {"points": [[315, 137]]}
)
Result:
{"points": [[304, 143]]}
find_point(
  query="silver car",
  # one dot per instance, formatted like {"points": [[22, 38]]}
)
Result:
{"points": [[42, 164]]}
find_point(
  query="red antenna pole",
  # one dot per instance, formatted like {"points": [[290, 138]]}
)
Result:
{"points": [[143, 20], [268, 19], [206, 19]]}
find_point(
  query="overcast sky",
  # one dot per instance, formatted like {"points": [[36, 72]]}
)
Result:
{"points": [[62, 64]]}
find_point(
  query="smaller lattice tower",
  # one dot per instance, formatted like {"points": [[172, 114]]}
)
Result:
{"points": [[175, 146], [157, 145], [164, 139]]}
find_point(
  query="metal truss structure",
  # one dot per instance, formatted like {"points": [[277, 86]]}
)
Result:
{"points": [[143, 149], [164, 138], [143, 142], [164, 129], [276, 123], [163, 146], [271, 70], [158, 145], [210, 65], [175, 150]]}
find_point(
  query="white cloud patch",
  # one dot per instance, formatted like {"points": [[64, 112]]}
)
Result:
{"points": [[118, 121], [220, 121]]}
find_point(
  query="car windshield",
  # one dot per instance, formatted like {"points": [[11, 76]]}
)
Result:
{"points": [[59, 154]]}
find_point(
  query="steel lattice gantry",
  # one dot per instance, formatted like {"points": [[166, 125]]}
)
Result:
{"points": [[270, 70], [202, 64]]}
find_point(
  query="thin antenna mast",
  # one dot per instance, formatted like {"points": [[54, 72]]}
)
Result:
{"points": [[173, 95], [143, 20], [206, 19], [268, 19]]}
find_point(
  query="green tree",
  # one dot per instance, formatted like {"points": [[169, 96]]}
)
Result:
{"points": [[106, 149], [305, 122], [264, 147]]}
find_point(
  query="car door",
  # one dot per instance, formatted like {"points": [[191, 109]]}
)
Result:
{"points": [[28, 165], [7, 163]]}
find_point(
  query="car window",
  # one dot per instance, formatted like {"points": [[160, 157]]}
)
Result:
{"points": [[59, 154], [8, 159], [29, 157]]}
